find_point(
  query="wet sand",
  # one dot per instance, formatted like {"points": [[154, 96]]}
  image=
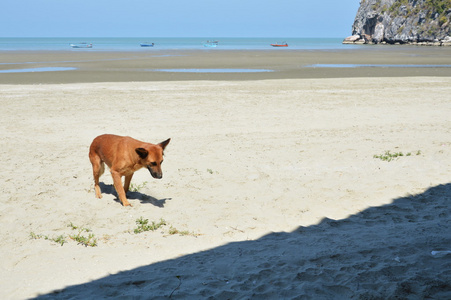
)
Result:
{"points": [[94, 66]]}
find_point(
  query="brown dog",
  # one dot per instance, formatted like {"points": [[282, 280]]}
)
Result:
{"points": [[124, 155]]}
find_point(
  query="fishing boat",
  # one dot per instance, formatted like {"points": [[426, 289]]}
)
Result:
{"points": [[81, 45], [283, 44], [147, 44], [211, 44]]}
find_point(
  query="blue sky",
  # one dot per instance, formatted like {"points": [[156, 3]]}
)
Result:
{"points": [[177, 18]]}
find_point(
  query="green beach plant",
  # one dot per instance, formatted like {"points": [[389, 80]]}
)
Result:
{"points": [[143, 225], [173, 230], [389, 156], [71, 225], [137, 187], [86, 241], [59, 239], [35, 236]]}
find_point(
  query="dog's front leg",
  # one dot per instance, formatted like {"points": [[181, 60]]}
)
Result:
{"points": [[128, 178], [119, 188]]}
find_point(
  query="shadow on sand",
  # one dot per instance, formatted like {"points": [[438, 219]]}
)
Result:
{"points": [[143, 198], [380, 253]]}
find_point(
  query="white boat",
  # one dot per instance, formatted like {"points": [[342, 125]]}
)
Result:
{"points": [[81, 45], [211, 44]]}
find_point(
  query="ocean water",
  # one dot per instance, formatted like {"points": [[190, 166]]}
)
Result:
{"points": [[133, 44]]}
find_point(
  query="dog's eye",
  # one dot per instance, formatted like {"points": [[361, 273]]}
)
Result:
{"points": [[153, 164]]}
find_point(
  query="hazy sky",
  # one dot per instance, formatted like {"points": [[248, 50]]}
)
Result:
{"points": [[177, 18]]}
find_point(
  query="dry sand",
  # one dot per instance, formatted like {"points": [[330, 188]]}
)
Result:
{"points": [[273, 180]]}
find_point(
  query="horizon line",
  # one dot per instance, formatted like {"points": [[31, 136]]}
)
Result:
{"points": [[187, 37]]}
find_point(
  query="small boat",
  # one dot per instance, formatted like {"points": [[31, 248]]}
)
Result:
{"points": [[147, 44], [81, 45], [284, 44], [211, 44]]}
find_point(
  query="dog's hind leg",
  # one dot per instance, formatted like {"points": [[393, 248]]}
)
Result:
{"points": [[98, 167]]}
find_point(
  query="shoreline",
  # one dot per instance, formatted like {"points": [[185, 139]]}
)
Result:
{"points": [[120, 66]]}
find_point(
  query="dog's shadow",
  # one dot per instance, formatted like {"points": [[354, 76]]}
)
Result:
{"points": [[109, 189]]}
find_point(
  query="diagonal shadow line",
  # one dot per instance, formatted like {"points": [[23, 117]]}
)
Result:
{"points": [[380, 253]]}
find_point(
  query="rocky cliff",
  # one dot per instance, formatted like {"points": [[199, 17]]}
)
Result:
{"points": [[424, 22]]}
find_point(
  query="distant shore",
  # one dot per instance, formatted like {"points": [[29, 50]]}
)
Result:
{"points": [[359, 39], [351, 41], [113, 66]]}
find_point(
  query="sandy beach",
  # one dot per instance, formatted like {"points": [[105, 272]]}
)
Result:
{"points": [[275, 184]]}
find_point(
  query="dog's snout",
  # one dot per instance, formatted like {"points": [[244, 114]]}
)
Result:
{"points": [[155, 174]]}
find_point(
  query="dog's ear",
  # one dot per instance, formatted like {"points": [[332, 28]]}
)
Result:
{"points": [[142, 152], [164, 144]]}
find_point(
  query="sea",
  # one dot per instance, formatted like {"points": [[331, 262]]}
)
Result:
{"points": [[169, 43]]}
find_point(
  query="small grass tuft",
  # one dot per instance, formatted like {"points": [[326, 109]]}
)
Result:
{"points": [[35, 236], [173, 230], [137, 187], [59, 239], [71, 225], [143, 225], [86, 241], [389, 156]]}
